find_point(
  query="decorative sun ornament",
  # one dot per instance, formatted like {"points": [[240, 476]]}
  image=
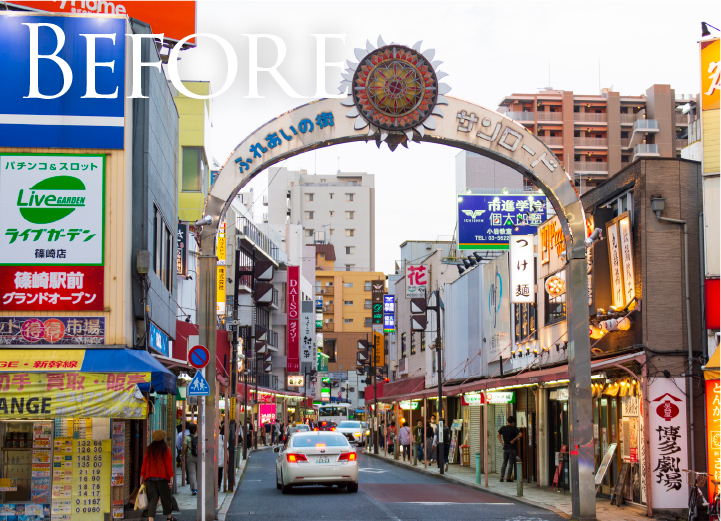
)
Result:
{"points": [[395, 90]]}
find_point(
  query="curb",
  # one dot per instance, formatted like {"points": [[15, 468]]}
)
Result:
{"points": [[473, 486], [229, 498]]}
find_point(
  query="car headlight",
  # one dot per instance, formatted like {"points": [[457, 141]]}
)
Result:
{"points": [[368, 433], [357, 434]]}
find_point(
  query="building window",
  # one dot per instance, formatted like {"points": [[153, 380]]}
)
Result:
{"points": [[423, 340], [368, 304], [322, 180], [350, 215], [329, 284], [331, 213], [331, 231], [368, 286], [308, 233], [349, 250], [350, 233], [367, 322], [347, 320], [331, 195], [554, 307], [309, 215], [348, 302], [349, 267], [347, 284], [413, 343], [622, 203], [403, 345], [349, 197], [309, 197], [193, 170], [162, 250], [361, 395]]}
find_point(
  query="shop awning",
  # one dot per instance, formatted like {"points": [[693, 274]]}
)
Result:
{"points": [[162, 381], [712, 371]]}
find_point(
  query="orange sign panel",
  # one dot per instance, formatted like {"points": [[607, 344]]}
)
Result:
{"points": [[710, 75], [713, 431], [175, 19]]}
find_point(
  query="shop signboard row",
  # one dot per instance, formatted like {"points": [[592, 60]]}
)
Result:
{"points": [[72, 394]]}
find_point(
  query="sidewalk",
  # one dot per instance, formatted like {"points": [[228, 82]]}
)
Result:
{"points": [[543, 497], [188, 503]]}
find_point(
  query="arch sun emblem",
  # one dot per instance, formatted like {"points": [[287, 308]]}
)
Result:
{"points": [[395, 90]]}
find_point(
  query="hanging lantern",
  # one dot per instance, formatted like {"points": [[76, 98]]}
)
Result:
{"points": [[624, 324], [595, 332]]}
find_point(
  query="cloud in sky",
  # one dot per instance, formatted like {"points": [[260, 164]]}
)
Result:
{"points": [[489, 49]]}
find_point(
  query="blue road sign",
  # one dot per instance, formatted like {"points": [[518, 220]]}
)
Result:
{"points": [[199, 386]]}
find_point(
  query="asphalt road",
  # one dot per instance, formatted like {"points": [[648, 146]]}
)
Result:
{"points": [[386, 492]]}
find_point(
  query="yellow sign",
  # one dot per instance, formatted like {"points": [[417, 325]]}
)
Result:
{"points": [[220, 299], [231, 413], [221, 245], [26, 360], [91, 479], [710, 74], [68, 395], [379, 349]]}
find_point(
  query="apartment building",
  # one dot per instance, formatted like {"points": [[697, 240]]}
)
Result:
{"points": [[594, 136], [336, 209], [347, 308]]}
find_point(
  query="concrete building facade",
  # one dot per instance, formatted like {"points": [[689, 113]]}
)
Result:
{"points": [[336, 209]]}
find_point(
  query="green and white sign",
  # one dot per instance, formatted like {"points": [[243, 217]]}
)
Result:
{"points": [[500, 397], [52, 208]]}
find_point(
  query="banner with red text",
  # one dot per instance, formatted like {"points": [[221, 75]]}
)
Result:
{"points": [[52, 288]]}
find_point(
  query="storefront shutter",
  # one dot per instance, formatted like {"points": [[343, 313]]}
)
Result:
{"points": [[474, 433], [496, 420]]}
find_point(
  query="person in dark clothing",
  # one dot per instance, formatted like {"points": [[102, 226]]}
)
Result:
{"points": [[507, 436], [446, 445], [381, 439], [249, 434]]}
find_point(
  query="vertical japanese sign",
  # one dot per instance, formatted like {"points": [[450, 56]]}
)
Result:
{"points": [[624, 228], [486, 222], [379, 349], [53, 209], [668, 431], [710, 75], [307, 332], [614, 260], [416, 280], [182, 249], [389, 313], [497, 308], [377, 294], [293, 310], [521, 269], [220, 297], [713, 432]]}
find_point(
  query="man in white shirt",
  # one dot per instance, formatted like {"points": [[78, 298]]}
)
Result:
{"points": [[179, 445]]}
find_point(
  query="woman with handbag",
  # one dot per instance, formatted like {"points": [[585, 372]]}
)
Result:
{"points": [[157, 475]]}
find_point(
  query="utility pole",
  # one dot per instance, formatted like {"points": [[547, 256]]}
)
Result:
{"points": [[441, 422], [375, 395], [232, 430]]}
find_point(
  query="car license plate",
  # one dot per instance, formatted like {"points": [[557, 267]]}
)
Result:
{"points": [[321, 459]]}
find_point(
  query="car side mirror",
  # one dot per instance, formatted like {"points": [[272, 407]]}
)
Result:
{"points": [[276, 449]]}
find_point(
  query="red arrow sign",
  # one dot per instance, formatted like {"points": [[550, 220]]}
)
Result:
{"points": [[669, 395]]}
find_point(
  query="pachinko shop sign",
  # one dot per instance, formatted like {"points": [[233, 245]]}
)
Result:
{"points": [[52, 331], [67, 395]]}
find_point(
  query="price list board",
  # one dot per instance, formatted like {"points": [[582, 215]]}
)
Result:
{"points": [[92, 463]]}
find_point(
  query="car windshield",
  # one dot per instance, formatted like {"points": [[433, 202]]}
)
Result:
{"points": [[331, 411], [302, 428], [330, 440], [349, 425]]}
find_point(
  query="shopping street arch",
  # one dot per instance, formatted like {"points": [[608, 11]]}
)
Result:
{"points": [[397, 98]]}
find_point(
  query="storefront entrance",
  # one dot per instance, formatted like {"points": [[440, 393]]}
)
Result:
{"points": [[558, 440]]}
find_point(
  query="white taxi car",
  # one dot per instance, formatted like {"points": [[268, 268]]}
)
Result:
{"points": [[354, 431], [316, 458]]}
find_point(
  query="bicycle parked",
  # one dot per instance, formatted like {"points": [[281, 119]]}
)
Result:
{"points": [[699, 480]]}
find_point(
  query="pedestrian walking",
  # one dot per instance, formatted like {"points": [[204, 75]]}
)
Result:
{"points": [[391, 436], [276, 432], [179, 447], [249, 434], [434, 426], [430, 451], [267, 428], [507, 436], [418, 439], [446, 445], [157, 475], [221, 455], [404, 437], [190, 455], [381, 437]]}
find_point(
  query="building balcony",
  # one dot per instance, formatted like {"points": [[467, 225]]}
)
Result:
{"points": [[681, 119], [328, 328], [590, 167], [328, 290], [251, 237], [263, 379], [587, 117], [681, 143], [329, 309], [645, 125], [271, 337], [641, 128], [520, 116], [552, 141], [549, 116], [645, 150], [625, 142], [274, 302], [590, 142], [628, 119]]}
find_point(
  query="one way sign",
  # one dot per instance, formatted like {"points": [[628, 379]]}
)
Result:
{"points": [[198, 386]]}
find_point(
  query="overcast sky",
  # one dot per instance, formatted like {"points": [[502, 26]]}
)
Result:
{"points": [[490, 49]]}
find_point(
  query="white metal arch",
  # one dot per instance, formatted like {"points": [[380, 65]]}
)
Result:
{"points": [[466, 126]]}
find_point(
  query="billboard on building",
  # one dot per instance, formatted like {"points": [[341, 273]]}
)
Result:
{"points": [[53, 209], [307, 332], [175, 19], [56, 288], [497, 308], [293, 311], [73, 94], [181, 240], [522, 272], [416, 280], [486, 222]]}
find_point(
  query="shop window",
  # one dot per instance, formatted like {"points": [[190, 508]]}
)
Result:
{"points": [[193, 170], [555, 307], [413, 343], [403, 345], [162, 250]]}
